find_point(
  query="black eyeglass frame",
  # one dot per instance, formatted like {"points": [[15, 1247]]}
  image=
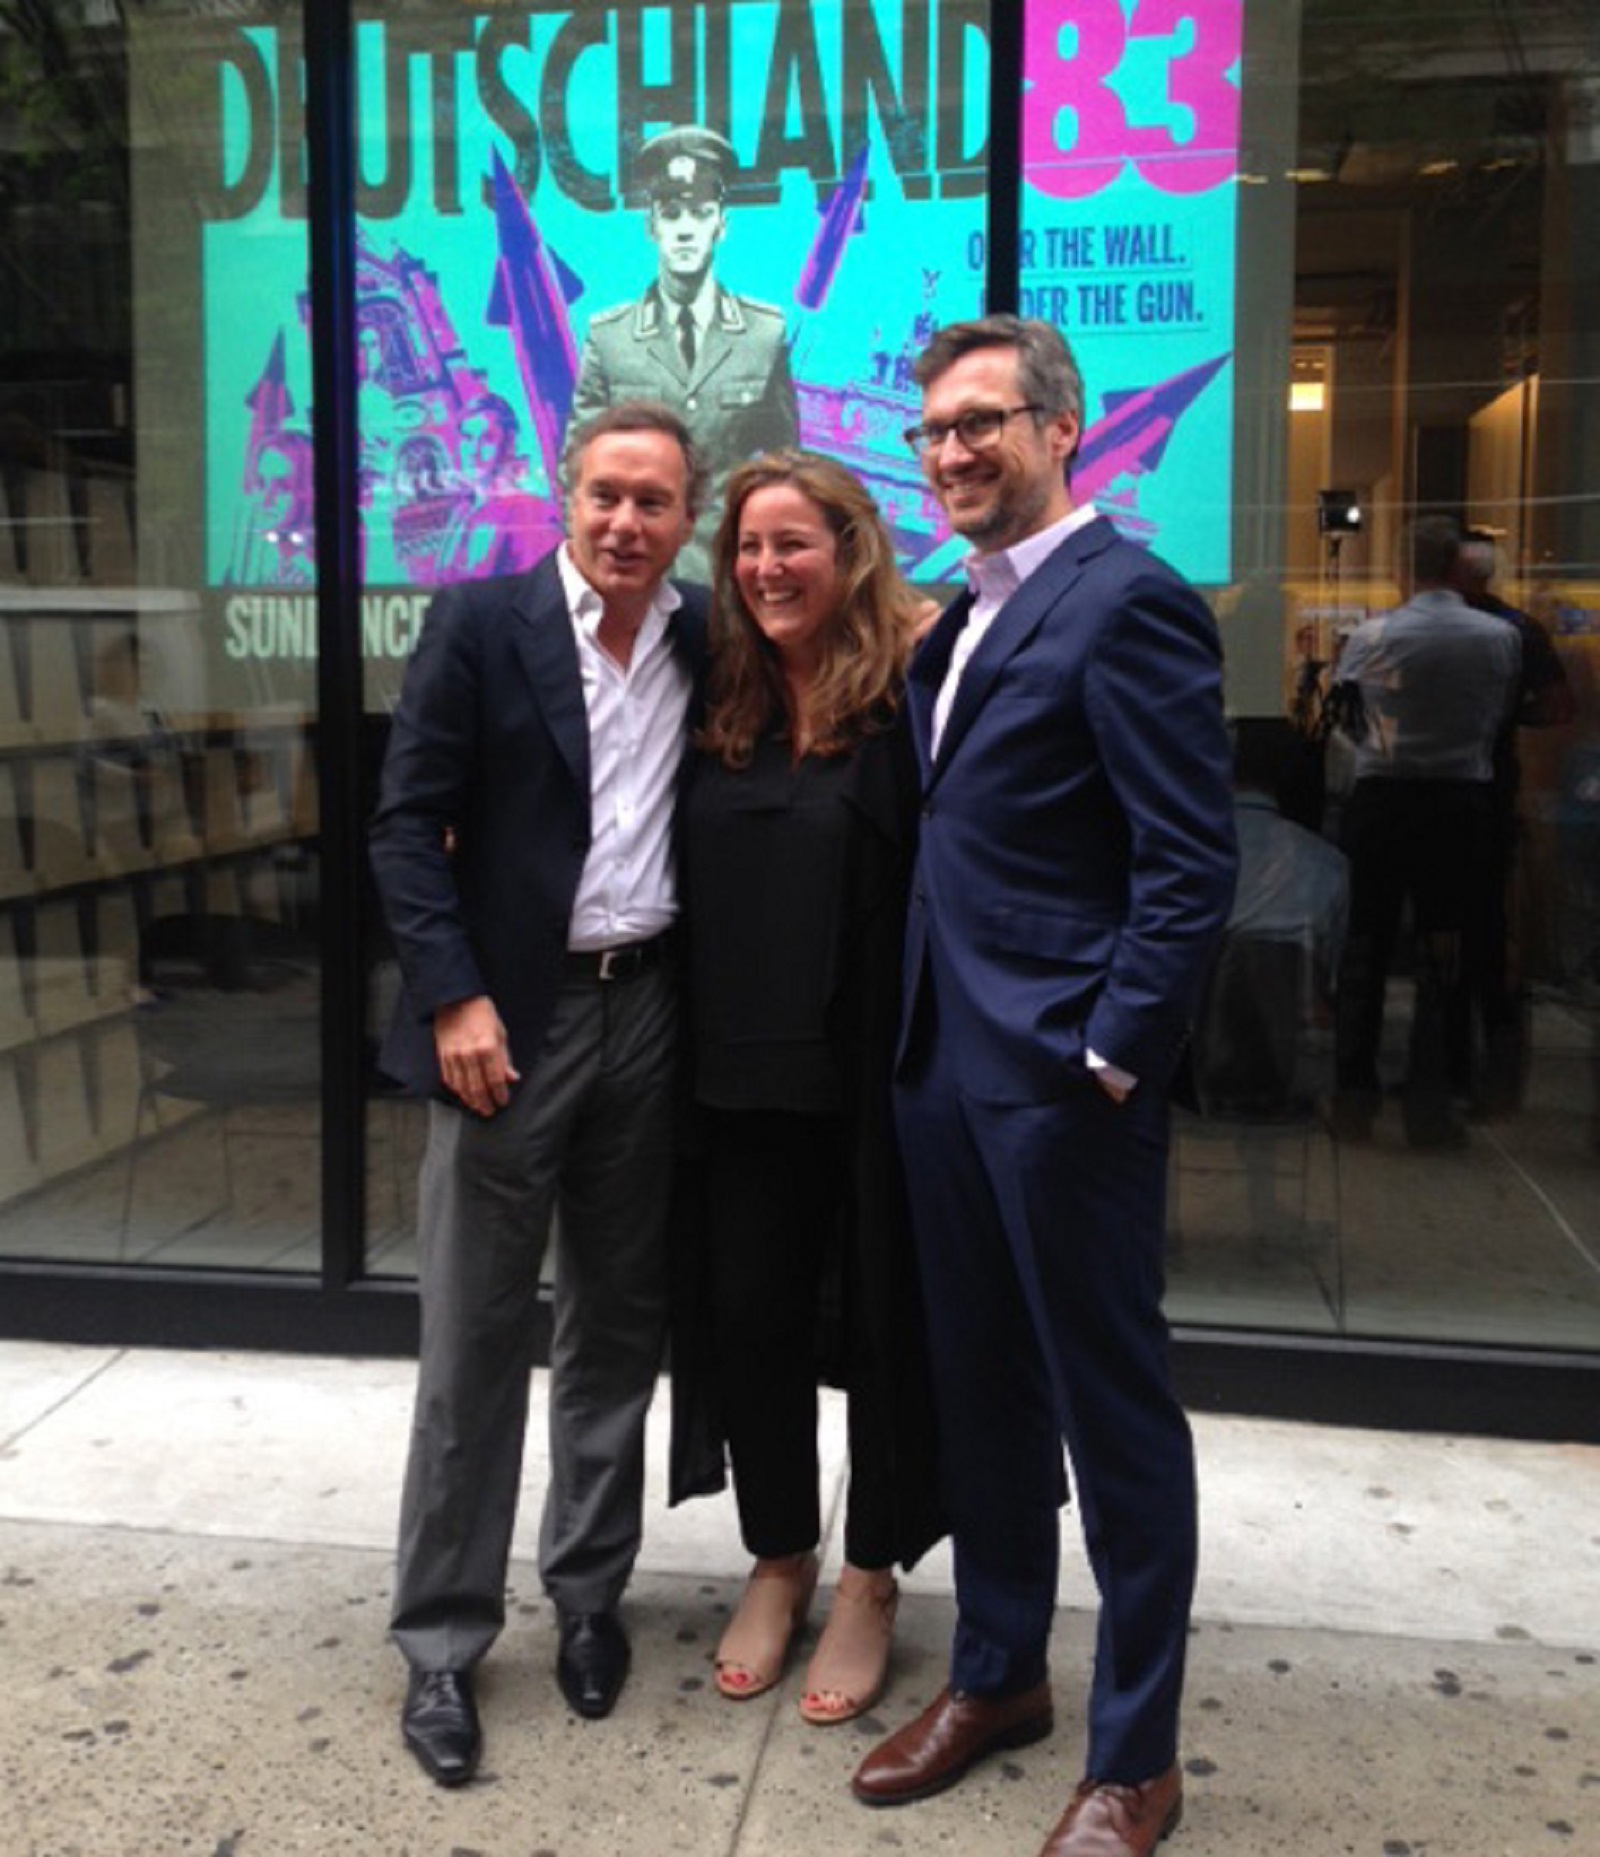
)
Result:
{"points": [[977, 428]]}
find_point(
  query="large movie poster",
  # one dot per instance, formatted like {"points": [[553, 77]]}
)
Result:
{"points": [[535, 182], [530, 182]]}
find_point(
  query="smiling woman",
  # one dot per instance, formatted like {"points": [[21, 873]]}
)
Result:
{"points": [[812, 622], [797, 848], [787, 573]]}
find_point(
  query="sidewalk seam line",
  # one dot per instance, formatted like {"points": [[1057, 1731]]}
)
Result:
{"points": [[16, 1437]]}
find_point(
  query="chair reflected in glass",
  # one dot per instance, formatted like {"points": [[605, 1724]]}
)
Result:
{"points": [[1255, 1159], [230, 1020]]}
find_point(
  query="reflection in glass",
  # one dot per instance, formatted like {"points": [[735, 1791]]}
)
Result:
{"points": [[1415, 327], [159, 981]]}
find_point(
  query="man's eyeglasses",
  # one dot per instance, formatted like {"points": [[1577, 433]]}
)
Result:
{"points": [[977, 428]]}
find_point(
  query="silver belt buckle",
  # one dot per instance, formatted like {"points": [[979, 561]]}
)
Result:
{"points": [[610, 965]]}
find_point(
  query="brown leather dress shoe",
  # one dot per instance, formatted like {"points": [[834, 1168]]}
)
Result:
{"points": [[948, 1737], [1107, 1820]]}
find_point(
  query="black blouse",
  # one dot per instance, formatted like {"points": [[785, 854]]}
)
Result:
{"points": [[770, 851]]}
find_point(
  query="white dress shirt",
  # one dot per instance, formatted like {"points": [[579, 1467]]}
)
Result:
{"points": [[628, 890], [993, 579], [1438, 681]]}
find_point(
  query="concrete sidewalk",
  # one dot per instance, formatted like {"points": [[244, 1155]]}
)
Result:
{"points": [[1395, 1649]]}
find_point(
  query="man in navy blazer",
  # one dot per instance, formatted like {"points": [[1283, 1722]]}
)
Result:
{"points": [[523, 850], [1075, 867]]}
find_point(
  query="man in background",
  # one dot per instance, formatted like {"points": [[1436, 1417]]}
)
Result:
{"points": [[1436, 683]]}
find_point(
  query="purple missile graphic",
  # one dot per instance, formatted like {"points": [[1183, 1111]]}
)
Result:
{"points": [[1132, 433], [840, 218], [272, 521], [532, 289], [270, 405]]}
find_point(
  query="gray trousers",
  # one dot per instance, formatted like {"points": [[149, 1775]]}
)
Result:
{"points": [[587, 1136]]}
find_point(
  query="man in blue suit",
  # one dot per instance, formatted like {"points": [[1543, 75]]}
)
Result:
{"points": [[523, 850], [1074, 873]]}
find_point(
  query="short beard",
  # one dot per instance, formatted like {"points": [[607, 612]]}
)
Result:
{"points": [[1011, 518]]}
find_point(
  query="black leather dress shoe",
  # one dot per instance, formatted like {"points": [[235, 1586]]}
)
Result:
{"points": [[592, 1665], [440, 1724]]}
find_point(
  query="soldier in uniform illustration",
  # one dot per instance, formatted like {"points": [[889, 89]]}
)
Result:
{"points": [[718, 359]]}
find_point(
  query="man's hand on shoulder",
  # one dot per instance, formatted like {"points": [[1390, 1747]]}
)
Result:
{"points": [[474, 1054]]}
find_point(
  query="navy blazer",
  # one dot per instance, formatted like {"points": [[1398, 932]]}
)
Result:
{"points": [[1076, 851], [490, 742]]}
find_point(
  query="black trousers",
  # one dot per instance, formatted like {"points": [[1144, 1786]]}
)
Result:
{"points": [[1490, 1000], [1426, 842], [779, 1219]]}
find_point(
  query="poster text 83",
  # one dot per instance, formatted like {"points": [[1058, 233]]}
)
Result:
{"points": [[1081, 108]]}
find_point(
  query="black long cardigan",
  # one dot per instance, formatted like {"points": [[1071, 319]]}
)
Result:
{"points": [[862, 1021]]}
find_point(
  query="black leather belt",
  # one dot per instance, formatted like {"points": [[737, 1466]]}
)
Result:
{"points": [[624, 963]]}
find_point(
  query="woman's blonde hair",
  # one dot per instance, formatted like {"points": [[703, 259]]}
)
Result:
{"points": [[864, 650]]}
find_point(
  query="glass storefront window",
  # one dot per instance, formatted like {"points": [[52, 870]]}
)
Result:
{"points": [[1327, 272], [1445, 329], [159, 974], [1331, 275]]}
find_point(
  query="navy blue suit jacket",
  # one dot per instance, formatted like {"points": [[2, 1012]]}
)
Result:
{"points": [[490, 742], [1076, 851]]}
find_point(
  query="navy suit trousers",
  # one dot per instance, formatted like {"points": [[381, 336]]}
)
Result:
{"points": [[1039, 1231]]}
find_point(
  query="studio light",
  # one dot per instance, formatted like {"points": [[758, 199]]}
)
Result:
{"points": [[1338, 512]]}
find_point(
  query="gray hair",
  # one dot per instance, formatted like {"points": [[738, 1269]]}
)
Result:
{"points": [[636, 416], [1479, 559]]}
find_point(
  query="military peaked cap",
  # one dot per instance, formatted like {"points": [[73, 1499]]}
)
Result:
{"points": [[688, 163]]}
